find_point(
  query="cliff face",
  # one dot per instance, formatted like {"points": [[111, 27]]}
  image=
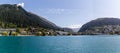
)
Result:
{"points": [[102, 26], [16, 15]]}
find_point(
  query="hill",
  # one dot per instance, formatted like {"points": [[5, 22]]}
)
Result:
{"points": [[102, 25], [12, 15]]}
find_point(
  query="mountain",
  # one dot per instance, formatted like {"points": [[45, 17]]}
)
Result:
{"points": [[101, 23], [67, 29], [16, 15]]}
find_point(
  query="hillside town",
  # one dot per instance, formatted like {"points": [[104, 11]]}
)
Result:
{"points": [[32, 32]]}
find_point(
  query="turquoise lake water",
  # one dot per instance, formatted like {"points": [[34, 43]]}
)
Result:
{"points": [[60, 44]]}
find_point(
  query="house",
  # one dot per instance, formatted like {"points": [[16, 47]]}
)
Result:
{"points": [[7, 30]]}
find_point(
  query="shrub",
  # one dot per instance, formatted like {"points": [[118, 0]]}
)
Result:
{"points": [[38, 33], [5, 33], [17, 30], [14, 33]]}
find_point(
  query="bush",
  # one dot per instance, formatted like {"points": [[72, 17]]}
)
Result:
{"points": [[17, 30], [39, 33], [5, 33], [14, 33]]}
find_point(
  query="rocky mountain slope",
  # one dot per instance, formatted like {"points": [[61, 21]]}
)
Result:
{"points": [[101, 25]]}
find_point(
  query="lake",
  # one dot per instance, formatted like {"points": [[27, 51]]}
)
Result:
{"points": [[60, 44]]}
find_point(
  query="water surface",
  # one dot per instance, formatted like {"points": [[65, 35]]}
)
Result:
{"points": [[60, 44]]}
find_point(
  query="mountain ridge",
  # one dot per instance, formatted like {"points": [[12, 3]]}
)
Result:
{"points": [[99, 22], [11, 13]]}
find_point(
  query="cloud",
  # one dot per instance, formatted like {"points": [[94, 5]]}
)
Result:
{"points": [[55, 11], [58, 11], [21, 4]]}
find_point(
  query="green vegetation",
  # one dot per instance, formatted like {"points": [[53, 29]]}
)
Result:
{"points": [[5, 33], [12, 16], [17, 30], [14, 33], [26, 23], [38, 33]]}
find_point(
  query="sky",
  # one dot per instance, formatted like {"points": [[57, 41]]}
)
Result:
{"points": [[70, 13]]}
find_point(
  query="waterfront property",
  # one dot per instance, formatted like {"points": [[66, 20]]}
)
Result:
{"points": [[7, 30]]}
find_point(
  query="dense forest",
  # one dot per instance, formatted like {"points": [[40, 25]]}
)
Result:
{"points": [[12, 16]]}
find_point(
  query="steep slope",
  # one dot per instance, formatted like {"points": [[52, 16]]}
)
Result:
{"points": [[11, 13], [100, 22]]}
